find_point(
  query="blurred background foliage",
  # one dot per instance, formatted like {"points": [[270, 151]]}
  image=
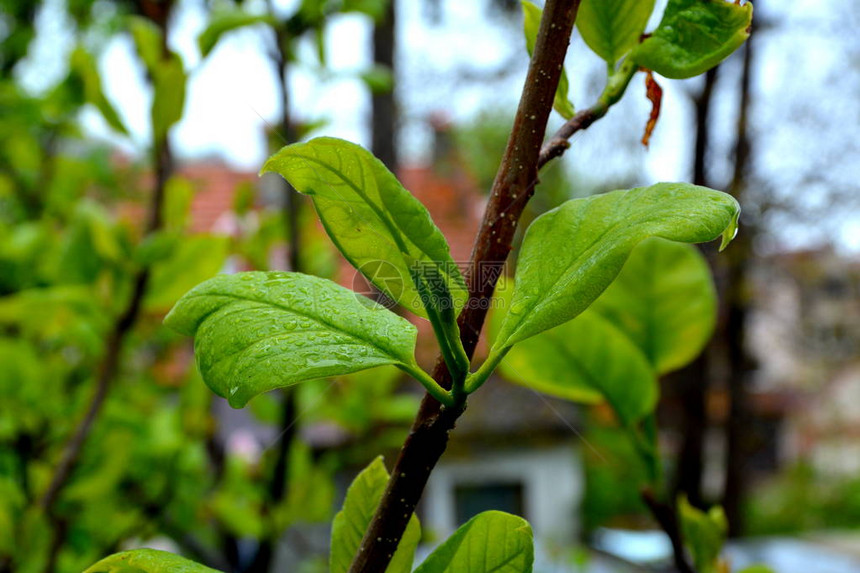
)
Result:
{"points": [[85, 283]]}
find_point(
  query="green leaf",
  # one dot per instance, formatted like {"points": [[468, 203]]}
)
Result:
{"points": [[90, 245], [492, 541], [531, 24], [380, 228], [694, 36], [704, 534], [224, 21], [585, 360], [147, 41], [378, 79], [178, 194], [83, 64], [350, 523], [439, 304], [258, 331], [758, 568], [572, 253], [167, 73], [169, 99], [664, 300], [373, 8], [158, 246], [612, 27], [147, 561], [192, 260], [58, 316], [311, 489]]}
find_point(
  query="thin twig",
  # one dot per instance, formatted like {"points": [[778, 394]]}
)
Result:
{"points": [[559, 142]]}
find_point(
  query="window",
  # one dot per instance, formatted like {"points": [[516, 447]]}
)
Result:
{"points": [[472, 499]]}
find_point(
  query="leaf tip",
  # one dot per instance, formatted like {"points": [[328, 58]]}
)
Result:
{"points": [[174, 323], [267, 168], [731, 231]]}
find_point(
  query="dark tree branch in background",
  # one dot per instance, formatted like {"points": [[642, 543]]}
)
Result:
{"points": [[123, 325], [692, 382], [737, 265], [287, 428], [514, 185], [384, 105], [703, 125], [111, 361]]}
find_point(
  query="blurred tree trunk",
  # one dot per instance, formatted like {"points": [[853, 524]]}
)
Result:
{"points": [[692, 383], [736, 271], [264, 558], [384, 105]]}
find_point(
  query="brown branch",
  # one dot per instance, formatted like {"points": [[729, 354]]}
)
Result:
{"points": [[667, 517], [110, 363], [109, 366], [513, 187], [737, 269]]}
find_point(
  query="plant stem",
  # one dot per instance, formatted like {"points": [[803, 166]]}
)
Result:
{"points": [[433, 388], [514, 185], [667, 517], [616, 85], [450, 347], [477, 379]]}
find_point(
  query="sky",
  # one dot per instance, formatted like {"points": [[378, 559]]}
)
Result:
{"points": [[232, 97]]}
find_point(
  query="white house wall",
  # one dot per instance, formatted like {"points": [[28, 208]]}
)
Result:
{"points": [[552, 480]]}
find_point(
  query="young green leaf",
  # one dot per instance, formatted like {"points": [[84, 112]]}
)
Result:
{"points": [[703, 534], [380, 228], [490, 542], [612, 27], [664, 300], [531, 24], [191, 261], [373, 8], [228, 20], [439, 305], [694, 36], [585, 360], [169, 97], [147, 561], [350, 523], [147, 41], [167, 73], [572, 253], [378, 79], [84, 65], [258, 331]]}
